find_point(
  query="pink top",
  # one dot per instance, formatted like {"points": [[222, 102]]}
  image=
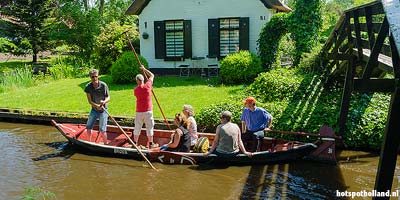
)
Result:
{"points": [[143, 97]]}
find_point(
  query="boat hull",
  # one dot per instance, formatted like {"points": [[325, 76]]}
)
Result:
{"points": [[272, 151]]}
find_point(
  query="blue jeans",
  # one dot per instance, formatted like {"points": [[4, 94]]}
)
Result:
{"points": [[102, 116]]}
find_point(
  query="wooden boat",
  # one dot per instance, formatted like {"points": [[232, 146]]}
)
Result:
{"points": [[271, 150]]}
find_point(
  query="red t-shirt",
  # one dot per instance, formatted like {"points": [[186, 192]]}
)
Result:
{"points": [[143, 97]]}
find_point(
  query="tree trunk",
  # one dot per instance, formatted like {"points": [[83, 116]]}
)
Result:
{"points": [[34, 58]]}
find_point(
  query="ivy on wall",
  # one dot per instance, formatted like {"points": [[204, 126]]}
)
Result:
{"points": [[303, 23]]}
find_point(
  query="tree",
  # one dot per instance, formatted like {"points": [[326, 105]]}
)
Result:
{"points": [[77, 27], [27, 20]]}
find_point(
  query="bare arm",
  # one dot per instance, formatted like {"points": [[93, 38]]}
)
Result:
{"points": [[241, 146], [106, 100], [215, 143], [269, 124], [147, 73], [243, 126], [177, 138]]}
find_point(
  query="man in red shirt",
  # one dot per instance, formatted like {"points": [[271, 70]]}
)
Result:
{"points": [[144, 106]]}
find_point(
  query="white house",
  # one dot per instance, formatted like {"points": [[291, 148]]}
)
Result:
{"points": [[195, 32]]}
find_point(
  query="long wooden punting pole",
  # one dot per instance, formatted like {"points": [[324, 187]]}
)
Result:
{"points": [[130, 140], [304, 134], [152, 91]]}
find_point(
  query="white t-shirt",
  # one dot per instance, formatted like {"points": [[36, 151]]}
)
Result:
{"points": [[193, 130]]}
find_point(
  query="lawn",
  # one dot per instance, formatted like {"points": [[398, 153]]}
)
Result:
{"points": [[68, 95]]}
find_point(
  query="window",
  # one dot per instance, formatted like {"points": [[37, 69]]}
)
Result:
{"points": [[227, 35], [172, 39]]}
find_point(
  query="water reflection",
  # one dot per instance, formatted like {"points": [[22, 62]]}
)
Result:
{"points": [[39, 156]]}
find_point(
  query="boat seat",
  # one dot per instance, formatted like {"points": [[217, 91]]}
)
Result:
{"points": [[284, 147], [120, 140]]}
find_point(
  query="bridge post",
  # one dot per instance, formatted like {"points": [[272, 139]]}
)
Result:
{"points": [[347, 90], [390, 146]]}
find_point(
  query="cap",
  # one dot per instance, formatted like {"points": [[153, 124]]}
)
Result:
{"points": [[139, 77], [250, 100]]}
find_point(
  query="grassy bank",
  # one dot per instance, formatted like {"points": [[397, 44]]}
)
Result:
{"points": [[68, 95]]}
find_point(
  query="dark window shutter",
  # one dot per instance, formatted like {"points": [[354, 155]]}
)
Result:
{"points": [[187, 37], [159, 39], [244, 33], [213, 38]]}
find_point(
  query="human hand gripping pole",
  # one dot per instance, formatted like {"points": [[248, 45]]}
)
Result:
{"points": [[145, 75], [129, 139]]}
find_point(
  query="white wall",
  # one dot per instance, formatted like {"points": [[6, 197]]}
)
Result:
{"points": [[198, 11]]}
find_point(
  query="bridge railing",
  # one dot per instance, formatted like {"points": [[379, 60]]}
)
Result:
{"points": [[361, 33]]}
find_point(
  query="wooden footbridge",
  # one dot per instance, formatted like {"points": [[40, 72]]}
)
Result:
{"points": [[363, 50]]}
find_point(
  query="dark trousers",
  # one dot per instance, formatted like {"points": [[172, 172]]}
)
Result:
{"points": [[252, 140]]}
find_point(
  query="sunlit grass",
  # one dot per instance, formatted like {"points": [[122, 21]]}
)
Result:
{"points": [[68, 95]]}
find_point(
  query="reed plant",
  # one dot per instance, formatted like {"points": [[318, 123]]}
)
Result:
{"points": [[19, 77]]}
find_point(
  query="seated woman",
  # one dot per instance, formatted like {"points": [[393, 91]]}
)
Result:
{"points": [[180, 139], [188, 111], [227, 140]]}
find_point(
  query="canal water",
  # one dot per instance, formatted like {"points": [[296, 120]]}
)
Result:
{"points": [[37, 156]]}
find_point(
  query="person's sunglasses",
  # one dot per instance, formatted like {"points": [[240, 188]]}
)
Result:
{"points": [[94, 76]]}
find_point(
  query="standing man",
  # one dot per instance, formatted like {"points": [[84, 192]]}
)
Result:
{"points": [[144, 106], [255, 121], [98, 96]]}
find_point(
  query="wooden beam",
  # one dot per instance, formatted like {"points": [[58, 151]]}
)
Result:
{"points": [[395, 57], [390, 147], [357, 30], [348, 86], [374, 85], [373, 58]]}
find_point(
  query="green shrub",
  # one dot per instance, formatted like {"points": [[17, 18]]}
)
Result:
{"points": [[68, 67], [126, 67], [240, 67], [111, 43], [276, 85], [208, 118], [366, 123], [61, 71]]}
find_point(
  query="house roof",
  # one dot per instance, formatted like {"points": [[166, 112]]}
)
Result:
{"points": [[137, 6]]}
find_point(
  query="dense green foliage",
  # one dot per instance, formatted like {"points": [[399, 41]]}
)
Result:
{"points": [[111, 43], [209, 117], [28, 21], [302, 103], [240, 67], [6, 46], [279, 84], [77, 27], [126, 67], [270, 36], [305, 25], [366, 123]]}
